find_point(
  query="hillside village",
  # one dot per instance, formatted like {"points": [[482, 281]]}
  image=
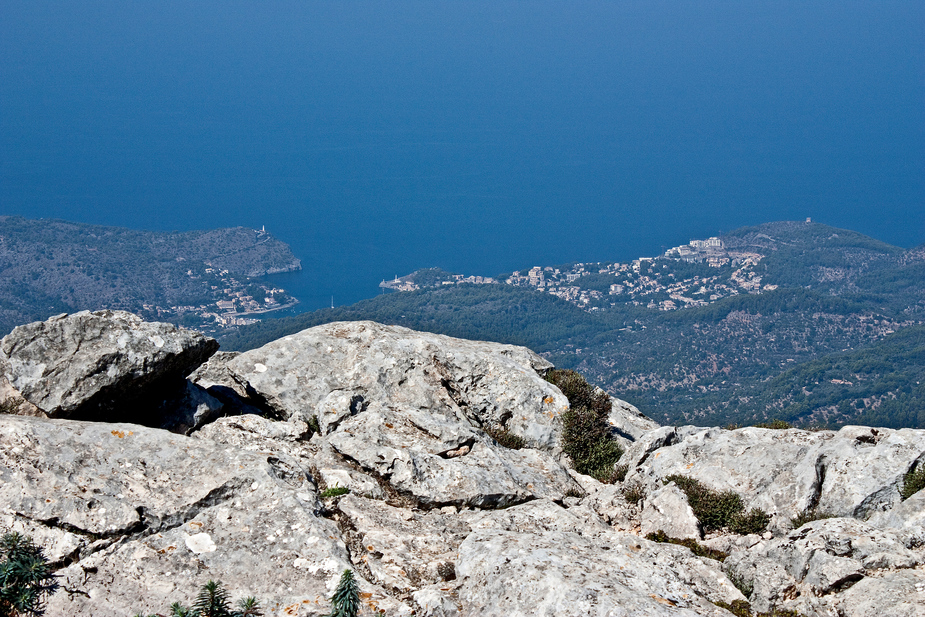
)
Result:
{"points": [[236, 300], [653, 282]]}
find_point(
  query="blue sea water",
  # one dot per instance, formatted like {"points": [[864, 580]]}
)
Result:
{"points": [[380, 137]]}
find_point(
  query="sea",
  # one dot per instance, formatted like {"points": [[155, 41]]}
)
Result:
{"points": [[380, 137]]}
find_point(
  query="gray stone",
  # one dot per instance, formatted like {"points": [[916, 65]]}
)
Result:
{"points": [[218, 381], [536, 516], [556, 573], [404, 550], [435, 601], [437, 459], [667, 510], [852, 472], [101, 365], [252, 432], [334, 370], [809, 569], [187, 408], [628, 423], [169, 513]]}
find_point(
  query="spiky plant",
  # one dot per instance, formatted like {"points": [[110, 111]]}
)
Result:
{"points": [[346, 599], [26, 580], [212, 601]]}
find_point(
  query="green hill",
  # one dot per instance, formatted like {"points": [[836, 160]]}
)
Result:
{"points": [[51, 266], [839, 298]]}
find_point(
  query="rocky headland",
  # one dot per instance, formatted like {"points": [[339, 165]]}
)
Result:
{"points": [[145, 464]]}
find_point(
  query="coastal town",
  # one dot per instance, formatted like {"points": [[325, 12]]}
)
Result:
{"points": [[693, 274], [237, 300]]}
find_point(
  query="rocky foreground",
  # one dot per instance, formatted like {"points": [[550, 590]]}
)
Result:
{"points": [[145, 470]]}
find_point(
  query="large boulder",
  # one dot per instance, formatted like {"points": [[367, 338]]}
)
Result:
{"points": [[101, 365], [333, 370], [421, 412]]}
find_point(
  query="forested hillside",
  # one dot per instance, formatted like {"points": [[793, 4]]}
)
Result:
{"points": [[51, 266], [838, 341]]}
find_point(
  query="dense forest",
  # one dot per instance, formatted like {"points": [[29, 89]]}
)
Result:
{"points": [[838, 341]]}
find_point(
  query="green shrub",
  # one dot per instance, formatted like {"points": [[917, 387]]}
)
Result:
{"points": [[913, 482], [335, 491], [739, 608], [586, 427], [753, 521], [26, 580], [697, 548], [779, 425], [619, 473], [313, 425], [634, 493], [346, 599], [212, 601], [718, 510], [505, 437], [807, 516]]}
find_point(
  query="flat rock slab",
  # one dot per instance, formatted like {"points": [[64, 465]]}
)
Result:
{"points": [[156, 515], [564, 574], [86, 365]]}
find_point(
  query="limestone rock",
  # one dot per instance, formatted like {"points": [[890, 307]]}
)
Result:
{"points": [[627, 422], [214, 376], [100, 365], [567, 574], [852, 472], [170, 513], [334, 370], [809, 569], [667, 510], [437, 459], [404, 550]]}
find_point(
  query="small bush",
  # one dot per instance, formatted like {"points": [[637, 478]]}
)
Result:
{"points": [[779, 425], [335, 491], [634, 493], [619, 473], [753, 521], [212, 601], [697, 548], [26, 580], [807, 516], [313, 425], [746, 586], [505, 437], [739, 608], [718, 510], [586, 427], [913, 482], [346, 599]]}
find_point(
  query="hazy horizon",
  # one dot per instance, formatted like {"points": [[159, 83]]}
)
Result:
{"points": [[378, 138]]}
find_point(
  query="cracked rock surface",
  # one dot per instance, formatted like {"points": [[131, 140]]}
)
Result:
{"points": [[441, 519], [156, 515], [856, 471]]}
